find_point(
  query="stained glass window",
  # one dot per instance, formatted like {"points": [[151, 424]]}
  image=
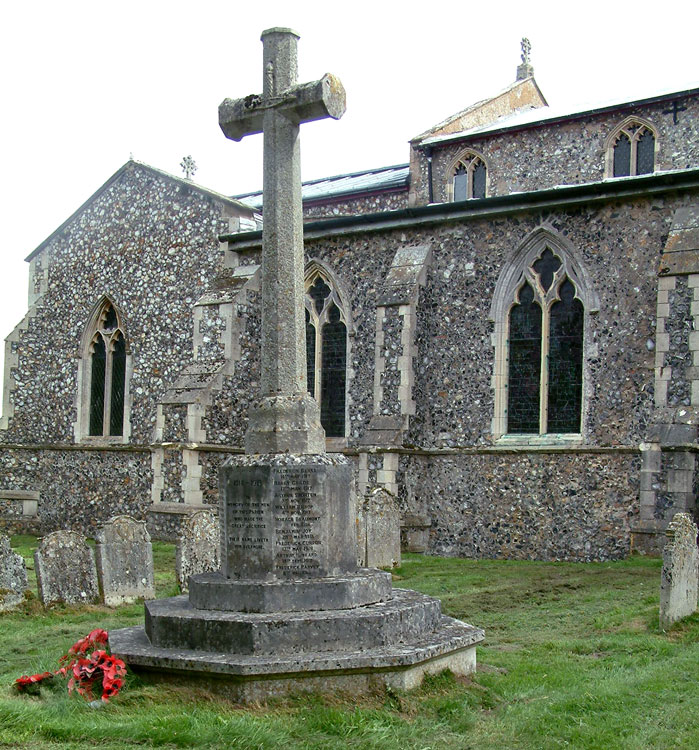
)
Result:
{"points": [[107, 376], [479, 173], [333, 370], [116, 411], [633, 151], [545, 350], [97, 380], [622, 156], [565, 362], [525, 364], [645, 153], [326, 355]]}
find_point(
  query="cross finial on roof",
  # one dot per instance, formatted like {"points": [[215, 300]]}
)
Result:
{"points": [[525, 70], [189, 167]]}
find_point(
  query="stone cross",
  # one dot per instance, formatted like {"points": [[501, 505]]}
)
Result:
{"points": [[526, 49], [286, 418]]}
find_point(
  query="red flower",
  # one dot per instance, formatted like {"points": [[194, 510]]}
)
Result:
{"points": [[85, 668], [26, 681]]}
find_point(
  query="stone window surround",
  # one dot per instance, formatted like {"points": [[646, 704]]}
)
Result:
{"points": [[81, 427], [468, 158], [511, 280], [623, 127], [316, 268]]}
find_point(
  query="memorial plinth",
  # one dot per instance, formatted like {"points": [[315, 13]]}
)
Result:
{"points": [[289, 610]]}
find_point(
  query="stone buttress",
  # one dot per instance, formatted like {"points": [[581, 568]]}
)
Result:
{"points": [[669, 457]]}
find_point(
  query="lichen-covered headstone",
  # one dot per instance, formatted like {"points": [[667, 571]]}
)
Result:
{"points": [[65, 569], [680, 576], [378, 530], [198, 548], [13, 576], [124, 561]]}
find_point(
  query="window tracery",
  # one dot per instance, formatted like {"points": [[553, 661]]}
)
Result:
{"points": [[326, 351], [539, 309], [104, 381], [631, 149], [468, 177]]}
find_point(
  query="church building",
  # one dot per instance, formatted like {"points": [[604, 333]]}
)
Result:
{"points": [[503, 332]]}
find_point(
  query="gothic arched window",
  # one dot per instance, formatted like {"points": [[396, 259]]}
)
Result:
{"points": [[326, 352], [631, 149], [539, 310], [106, 374], [468, 177]]}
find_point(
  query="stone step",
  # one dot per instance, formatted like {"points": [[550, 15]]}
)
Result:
{"points": [[215, 591], [174, 623]]}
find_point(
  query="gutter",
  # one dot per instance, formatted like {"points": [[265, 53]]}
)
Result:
{"points": [[565, 196]]}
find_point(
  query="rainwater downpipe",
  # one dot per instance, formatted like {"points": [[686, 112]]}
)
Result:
{"points": [[428, 153]]}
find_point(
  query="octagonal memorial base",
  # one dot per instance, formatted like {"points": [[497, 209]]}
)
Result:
{"points": [[420, 641]]}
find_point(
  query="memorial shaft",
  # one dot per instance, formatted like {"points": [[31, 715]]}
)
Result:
{"points": [[285, 419], [283, 329]]}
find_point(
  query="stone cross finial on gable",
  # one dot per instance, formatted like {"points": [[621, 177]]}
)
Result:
{"points": [[286, 418], [525, 70], [189, 167]]}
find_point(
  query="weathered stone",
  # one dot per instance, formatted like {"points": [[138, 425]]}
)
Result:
{"points": [[13, 576], [348, 591], [378, 530], [679, 581], [124, 561], [197, 547], [287, 517], [65, 569], [288, 523], [251, 677]]}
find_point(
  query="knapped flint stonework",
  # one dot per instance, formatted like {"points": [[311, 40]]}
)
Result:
{"points": [[564, 153], [679, 582], [198, 547], [165, 232], [124, 561], [65, 569], [13, 576]]}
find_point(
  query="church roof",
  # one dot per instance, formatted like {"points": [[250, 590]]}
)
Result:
{"points": [[547, 115], [133, 164], [367, 181]]}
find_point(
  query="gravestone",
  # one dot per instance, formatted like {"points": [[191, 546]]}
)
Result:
{"points": [[679, 582], [65, 569], [378, 530], [290, 610], [13, 576], [197, 547], [124, 561]]}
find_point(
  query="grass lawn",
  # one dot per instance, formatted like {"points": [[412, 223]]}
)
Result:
{"points": [[573, 659]]}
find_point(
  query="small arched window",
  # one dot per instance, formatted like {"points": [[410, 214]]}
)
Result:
{"points": [[107, 375], [326, 352], [631, 149], [468, 177]]}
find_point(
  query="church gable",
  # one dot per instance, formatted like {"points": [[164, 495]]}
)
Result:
{"points": [[146, 241]]}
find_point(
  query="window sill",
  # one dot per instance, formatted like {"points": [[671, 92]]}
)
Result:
{"points": [[102, 440], [567, 438], [335, 444]]}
